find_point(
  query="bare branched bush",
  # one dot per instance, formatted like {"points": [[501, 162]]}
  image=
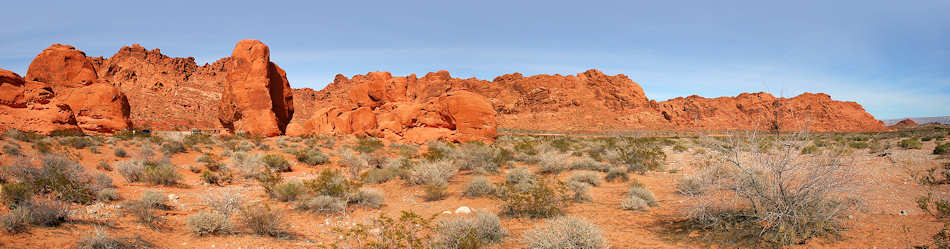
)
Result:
{"points": [[772, 193], [224, 201], [566, 232]]}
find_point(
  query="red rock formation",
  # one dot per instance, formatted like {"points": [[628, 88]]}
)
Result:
{"points": [[166, 93], [398, 108], [904, 123], [98, 106], [258, 98], [31, 106]]}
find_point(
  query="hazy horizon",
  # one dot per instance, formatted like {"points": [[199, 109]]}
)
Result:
{"points": [[892, 58]]}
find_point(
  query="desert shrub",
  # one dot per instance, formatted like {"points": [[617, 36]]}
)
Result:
{"points": [[15, 193], [368, 197], [617, 174], [540, 200], [25, 136], [568, 232], [588, 177], [210, 178], [101, 240], [104, 165], [197, 138], [43, 147], [409, 230], [77, 142], [262, 220], [16, 221], [385, 174], [108, 195], [637, 204], [246, 165], [519, 175], [47, 213], [173, 147], [432, 173], [353, 163], [208, 223], [132, 171], [910, 143], [154, 199], [224, 201], [469, 231], [332, 183], [288, 191], [367, 144], [65, 178], [478, 186], [210, 161], [776, 196], [312, 157], [639, 191], [438, 150], [11, 149], [636, 154], [482, 159], [810, 149], [589, 164], [691, 185], [943, 149], [858, 145], [268, 180], [581, 191], [434, 192], [552, 162], [161, 174], [120, 152], [323, 203], [276, 162]]}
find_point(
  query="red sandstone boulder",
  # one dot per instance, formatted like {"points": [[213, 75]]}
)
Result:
{"points": [[30, 106], [98, 106], [257, 98]]}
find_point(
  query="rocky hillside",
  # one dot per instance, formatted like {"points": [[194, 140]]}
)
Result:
{"points": [[247, 92]]}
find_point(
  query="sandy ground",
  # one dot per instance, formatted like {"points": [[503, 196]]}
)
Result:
{"points": [[885, 184]]}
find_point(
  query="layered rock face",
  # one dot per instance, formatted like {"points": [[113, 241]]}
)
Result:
{"points": [[164, 92], [258, 98], [99, 107], [397, 108], [32, 106]]}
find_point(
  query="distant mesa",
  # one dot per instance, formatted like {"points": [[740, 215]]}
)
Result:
{"points": [[246, 92], [904, 123]]}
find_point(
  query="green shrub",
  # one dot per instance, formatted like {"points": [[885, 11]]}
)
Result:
{"points": [[437, 150], [48, 213], [478, 186], [476, 231], [810, 149], [161, 174], [910, 143], [376, 176], [66, 179], [637, 154], [368, 197], [568, 232], [210, 161], [617, 174], [312, 157], [23, 136], [332, 183], [77, 142], [276, 162], [588, 177], [208, 223], [15, 193], [434, 192], [943, 149], [539, 200], [197, 138], [262, 220], [367, 144], [42, 147], [288, 191]]}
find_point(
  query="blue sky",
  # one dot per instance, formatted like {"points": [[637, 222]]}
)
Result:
{"points": [[893, 57]]}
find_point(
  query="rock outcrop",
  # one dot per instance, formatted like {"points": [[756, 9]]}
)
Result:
{"points": [[257, 98], [904, 123], [397, 108], [98, 106], [166, 93], [32, 106]]}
